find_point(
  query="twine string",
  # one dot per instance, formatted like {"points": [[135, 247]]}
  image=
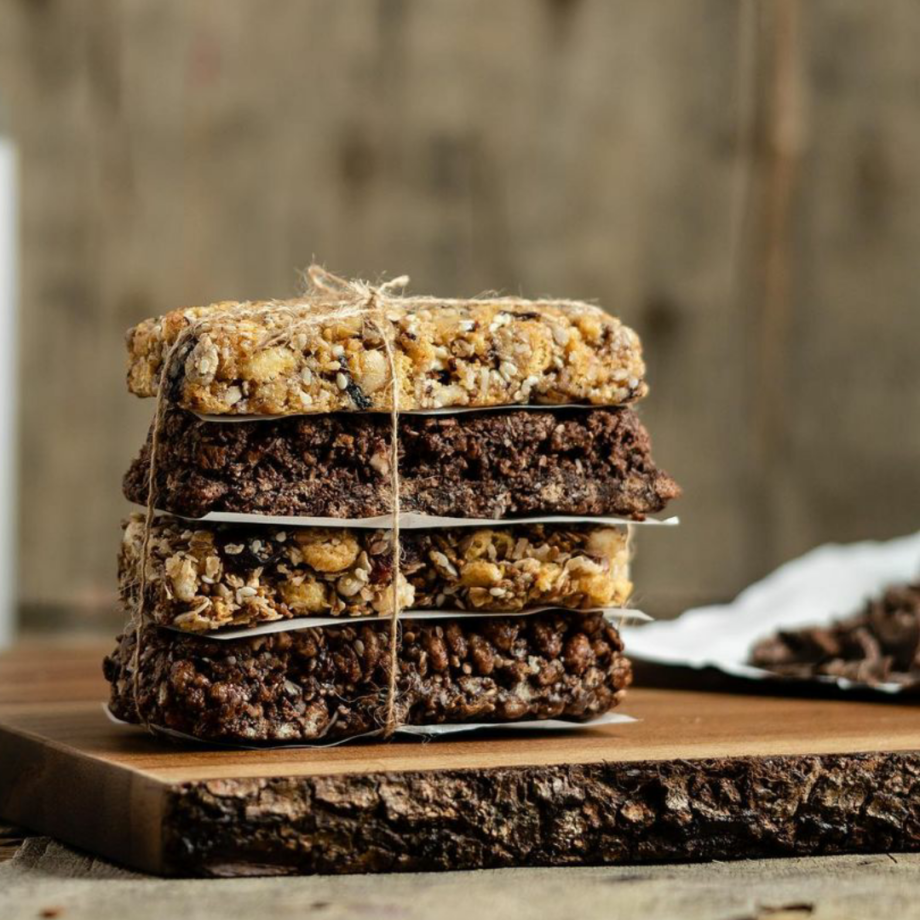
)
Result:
{"points": [[396, 546], [139, 612], [330, 298]]}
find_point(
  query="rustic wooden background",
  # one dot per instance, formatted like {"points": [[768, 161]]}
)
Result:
{"points": [[740, 180]]}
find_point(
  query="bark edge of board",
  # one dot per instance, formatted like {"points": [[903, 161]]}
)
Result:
{"points": [[585, 814]]}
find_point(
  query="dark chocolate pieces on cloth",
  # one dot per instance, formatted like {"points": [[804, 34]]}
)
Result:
{"points": [[329, 683], [491, 465], [880, 644]]}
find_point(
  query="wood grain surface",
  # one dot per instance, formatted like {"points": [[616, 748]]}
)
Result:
{"points": [[739, 180], [699, 776]]}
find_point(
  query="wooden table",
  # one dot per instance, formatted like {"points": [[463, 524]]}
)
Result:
{"points": [[50, 879]]}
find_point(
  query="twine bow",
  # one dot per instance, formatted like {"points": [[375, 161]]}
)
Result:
{"points": [[327, 297]]}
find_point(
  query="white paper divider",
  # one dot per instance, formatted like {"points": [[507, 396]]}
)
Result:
{"points": [[826, 584], [420, 732], [414, 521], [614, 614], [447, 410]]}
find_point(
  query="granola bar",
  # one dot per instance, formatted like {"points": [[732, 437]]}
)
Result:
{"points": [[879, 644], [330, 683], [277, 358], [483, 464], [201, 578]]}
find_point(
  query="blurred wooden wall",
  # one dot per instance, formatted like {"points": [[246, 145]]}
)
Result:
{"points": [[740, 180]]}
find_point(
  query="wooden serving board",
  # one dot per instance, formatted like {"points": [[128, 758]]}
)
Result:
{"points": [[702, 776]]}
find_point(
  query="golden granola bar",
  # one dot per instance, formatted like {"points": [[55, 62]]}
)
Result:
{"points": [[277, 358], [204, 577]]}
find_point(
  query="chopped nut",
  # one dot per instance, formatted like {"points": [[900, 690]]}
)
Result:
{"points": [[381, 463], [307, 597], [443, 564], [326, 550], [202, 362], [349, 585], [183, 576], [370, 370], [267, 364], [480, 574]]}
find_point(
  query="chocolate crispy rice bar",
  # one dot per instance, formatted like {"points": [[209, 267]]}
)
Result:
{"points": [[481, 465], [330, 683], [204, 577]]}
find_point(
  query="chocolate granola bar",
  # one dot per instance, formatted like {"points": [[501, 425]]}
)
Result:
{"points": [[483, 464], [276, 358], [880, 644], [330, 683], [203, 577]]}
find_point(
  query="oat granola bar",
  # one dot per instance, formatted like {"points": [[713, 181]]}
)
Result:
{"points": [[484, 464], [330, 683], [261, 358], [205, 577]]}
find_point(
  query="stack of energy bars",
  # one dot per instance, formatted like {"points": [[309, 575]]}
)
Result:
{"points": [[269, 466]]}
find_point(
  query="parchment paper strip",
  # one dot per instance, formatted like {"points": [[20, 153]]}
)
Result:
{"points": [[412, 521], [419, 732], [613, 614]]}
